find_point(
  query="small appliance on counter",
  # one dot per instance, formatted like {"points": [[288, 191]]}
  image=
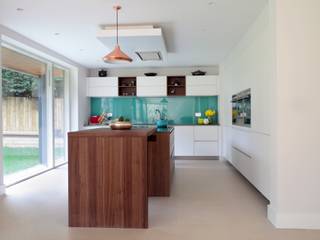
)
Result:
{"points": [[162, 122], [103, 119]]}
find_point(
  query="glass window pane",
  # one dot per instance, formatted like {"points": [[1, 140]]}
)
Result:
{"points": [[59, 78], [23, 111]]}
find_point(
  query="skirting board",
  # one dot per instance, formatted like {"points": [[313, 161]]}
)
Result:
{"points": [[2, 190], [293, 221]]}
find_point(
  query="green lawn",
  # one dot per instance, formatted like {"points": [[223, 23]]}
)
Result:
{"points": [[16, 159]]}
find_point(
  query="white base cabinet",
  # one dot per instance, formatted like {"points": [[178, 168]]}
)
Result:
{"points": [[183, 141], [201, 141]]}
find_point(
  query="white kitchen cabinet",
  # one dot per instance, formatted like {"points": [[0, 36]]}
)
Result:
{"points": [[206, 133], [206, 149], [202, 85], [201, 141], [102, 87], [183, 141], [152, 86]]}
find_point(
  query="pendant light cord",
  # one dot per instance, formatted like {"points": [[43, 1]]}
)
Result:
{"points": [[117, 27]]}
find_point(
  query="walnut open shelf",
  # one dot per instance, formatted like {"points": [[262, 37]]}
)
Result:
{"points": [[176, 85], [127, 86]]}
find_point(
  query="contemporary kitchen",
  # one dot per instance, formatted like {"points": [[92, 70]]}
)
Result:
{"points": [[159, 120]]}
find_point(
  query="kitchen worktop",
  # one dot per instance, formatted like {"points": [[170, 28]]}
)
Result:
{"points": [[134, 131], [150, 125]]}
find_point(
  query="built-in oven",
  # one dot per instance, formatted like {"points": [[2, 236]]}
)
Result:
{"points": [[241, 108]]}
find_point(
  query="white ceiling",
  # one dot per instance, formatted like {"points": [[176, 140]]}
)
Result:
{"points": [[197, 32]]}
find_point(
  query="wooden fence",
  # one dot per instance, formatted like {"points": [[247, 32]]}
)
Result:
{"points": [[21, 115]]}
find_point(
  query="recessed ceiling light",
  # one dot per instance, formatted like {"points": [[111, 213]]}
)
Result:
{"points": [[56, 34], [20, 9]]}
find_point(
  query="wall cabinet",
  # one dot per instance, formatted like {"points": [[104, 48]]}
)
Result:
{"points": [[157, 86], [152, 86], [202, 141], [102, 87], [202, 85]]}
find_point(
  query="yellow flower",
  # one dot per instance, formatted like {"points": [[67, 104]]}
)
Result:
{"points": [[210, 113]]}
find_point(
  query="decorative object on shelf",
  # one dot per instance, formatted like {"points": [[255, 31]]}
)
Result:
{"points": [[198, 73], [176, 85], [210, 114], [121, 124], [150, 74], [102, 73], [206, 121], [200, 121], [117, 56], [127, 86]]}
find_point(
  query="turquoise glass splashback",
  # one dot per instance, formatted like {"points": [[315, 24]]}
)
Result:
{"points": [[142, 110]]}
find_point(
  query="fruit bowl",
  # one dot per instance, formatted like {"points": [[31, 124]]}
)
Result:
{"points": [[121, 125]]}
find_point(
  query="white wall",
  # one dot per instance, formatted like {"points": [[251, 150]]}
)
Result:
{"points": [[79, 102], [249, 65], [296, 202], [161, 71]]}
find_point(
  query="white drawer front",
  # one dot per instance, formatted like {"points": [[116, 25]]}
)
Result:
{"points": [[206, 133], [152, 91], [202, 80], [206, 149], [151, 81], [102, 81]]}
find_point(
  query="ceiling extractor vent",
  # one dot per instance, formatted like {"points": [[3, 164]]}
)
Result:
{"points": [[149, 56]]}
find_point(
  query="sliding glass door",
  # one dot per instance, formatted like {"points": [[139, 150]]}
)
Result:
{"points": [[34, 114], [60, 123]]}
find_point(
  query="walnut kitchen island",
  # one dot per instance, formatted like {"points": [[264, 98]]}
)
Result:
{"points": [[108, 175]]}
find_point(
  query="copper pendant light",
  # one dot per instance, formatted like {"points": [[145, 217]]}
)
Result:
{"points": [[117, 56]]}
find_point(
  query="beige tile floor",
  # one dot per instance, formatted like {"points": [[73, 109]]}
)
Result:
{"points": [[210, 200]]}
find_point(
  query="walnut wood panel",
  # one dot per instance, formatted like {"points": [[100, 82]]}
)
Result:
{"points": [[108, 181], [160, 164]]}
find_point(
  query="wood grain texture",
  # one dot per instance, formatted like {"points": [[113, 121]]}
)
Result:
{"points": [[160, 164], [108, 180]]}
